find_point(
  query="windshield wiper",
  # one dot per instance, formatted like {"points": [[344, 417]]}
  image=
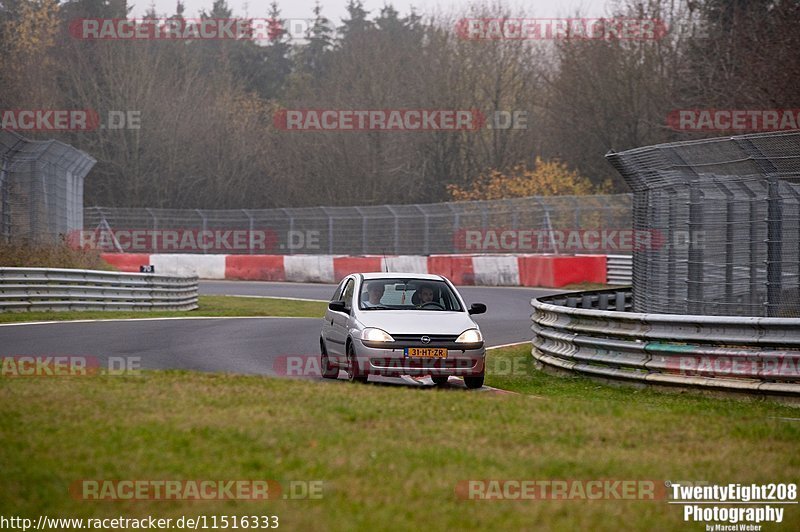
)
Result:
{"points": [[377, 307]]}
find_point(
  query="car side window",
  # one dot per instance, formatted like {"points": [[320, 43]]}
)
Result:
{"points": [[337, 295], [347, 295]]}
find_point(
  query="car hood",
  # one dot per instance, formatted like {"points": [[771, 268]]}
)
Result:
{"points": [[417, 321]]}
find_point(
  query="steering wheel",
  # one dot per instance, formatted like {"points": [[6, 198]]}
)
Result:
{"points": [[432, 303]]}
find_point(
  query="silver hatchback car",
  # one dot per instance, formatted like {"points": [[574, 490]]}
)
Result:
{"points": [[401, 324]]}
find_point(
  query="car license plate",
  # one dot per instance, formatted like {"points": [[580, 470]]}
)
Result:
{"points": [[426, 352]]}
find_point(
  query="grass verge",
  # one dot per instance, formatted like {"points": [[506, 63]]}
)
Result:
{"points": [[389, 457], [209, 306]]}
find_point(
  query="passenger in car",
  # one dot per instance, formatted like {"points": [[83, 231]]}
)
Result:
{"points": [[375, 292]]}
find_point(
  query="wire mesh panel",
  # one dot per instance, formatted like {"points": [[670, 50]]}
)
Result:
{"points": [[728, 214], [554, 224], [41, 189]]}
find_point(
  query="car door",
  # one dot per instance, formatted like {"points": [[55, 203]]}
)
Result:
{"points": [[339, 320], [327, 321]]}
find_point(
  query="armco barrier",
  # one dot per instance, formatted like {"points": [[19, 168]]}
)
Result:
{"points": [[620, 269], [552, 271], [586, 333], [30, 289]]}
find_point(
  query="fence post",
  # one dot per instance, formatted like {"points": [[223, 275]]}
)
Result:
{"points": [[205, 225], [456, 227], [363, 230], [774, 222], [774, 245], [396, 229], [250, 234], [5, 215], [426, 245]]}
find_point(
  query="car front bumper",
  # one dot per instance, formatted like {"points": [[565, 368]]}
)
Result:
{"points": [[392, 361]]}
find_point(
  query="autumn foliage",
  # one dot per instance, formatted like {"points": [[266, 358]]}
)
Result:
{"points": [[546, 178]]}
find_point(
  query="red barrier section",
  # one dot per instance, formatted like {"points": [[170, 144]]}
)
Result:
{"points": [[457, 268], [553, 271], [535, 270], [343, 266], [127, 262], [255, 267], [579, 269]]}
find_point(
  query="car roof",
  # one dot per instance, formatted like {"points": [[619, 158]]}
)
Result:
{"points": [[403, 275]]}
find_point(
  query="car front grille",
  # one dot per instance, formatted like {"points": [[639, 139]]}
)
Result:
{"points": [[415, 340]]}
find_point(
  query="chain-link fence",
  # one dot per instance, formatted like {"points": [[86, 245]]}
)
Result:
{"points": [[560, 224], [41, 189], [728, 214]]}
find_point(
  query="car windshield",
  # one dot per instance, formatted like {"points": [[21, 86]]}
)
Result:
{"points": [[407, 294]]}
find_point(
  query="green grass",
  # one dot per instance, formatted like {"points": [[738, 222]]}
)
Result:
{"points": [[389, 457], [209, 306]]}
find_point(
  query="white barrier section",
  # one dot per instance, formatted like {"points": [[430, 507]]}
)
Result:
{"points": [[203, 266], [309, 268], [496, 270], [406, 264]]}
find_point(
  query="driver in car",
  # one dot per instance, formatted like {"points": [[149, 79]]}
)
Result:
{"points": [[425, 293]]}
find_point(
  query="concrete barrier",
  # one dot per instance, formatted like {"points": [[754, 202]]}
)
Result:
{"points": [[255, 267], [496, 270], [457, 268], [407, 263], [549, 271], [202, 266], [557, 271], [344, 266], [309, 268]]}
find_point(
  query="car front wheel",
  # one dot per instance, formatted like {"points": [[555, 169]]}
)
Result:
{"points": [[353, 371]]}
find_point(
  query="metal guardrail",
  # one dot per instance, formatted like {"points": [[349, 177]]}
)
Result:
{"points": [[580, 333], [32, 289], [619, 269]]}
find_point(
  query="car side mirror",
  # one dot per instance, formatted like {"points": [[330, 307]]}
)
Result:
{"points": [[477, 308], [338, 306]]}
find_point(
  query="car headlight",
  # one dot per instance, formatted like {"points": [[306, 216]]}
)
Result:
{"points": [[371, 334], [470, 336]]}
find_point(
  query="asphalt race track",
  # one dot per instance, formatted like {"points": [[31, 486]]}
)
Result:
{"points": [[237, 345]]}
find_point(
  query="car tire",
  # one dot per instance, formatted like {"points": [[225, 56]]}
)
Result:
{"points": [[439, 379], [327, 370], [475, 381], [353, 371]]}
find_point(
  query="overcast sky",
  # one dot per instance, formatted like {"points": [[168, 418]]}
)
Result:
{"points": [[335, 9]]}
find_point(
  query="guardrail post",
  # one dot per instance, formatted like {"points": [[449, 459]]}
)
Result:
{"points": [[619, 302]]}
